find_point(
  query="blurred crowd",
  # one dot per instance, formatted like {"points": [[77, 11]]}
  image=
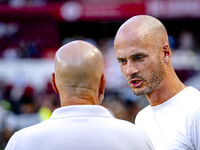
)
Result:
{"points": [[22, 105], [18, 3]]}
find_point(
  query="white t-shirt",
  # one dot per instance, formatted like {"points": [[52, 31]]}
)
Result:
{"points": [[81, 127], [174, 124]]}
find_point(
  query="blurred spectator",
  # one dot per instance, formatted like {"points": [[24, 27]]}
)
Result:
{"points": [[15, 122], [2, 118], [11, 53], [184, 58], [20, 3]]}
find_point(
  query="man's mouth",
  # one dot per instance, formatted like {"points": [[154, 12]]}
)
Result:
{"points": [[136, 82]]}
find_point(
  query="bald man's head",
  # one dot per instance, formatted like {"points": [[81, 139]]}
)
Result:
{"points": [[78, 64], [142, 49], [145, 28]]}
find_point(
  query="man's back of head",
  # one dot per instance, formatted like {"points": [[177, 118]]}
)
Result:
{"points": [[79, 73]]}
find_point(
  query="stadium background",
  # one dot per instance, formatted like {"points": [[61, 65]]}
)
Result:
{"points": [[32, 30]]}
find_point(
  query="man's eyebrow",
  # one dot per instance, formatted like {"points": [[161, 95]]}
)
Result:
{"points": [[118, 58], [133, 55], [138, 54]]}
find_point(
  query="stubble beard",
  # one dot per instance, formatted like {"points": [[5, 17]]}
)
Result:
{"points": [[152, 82]]}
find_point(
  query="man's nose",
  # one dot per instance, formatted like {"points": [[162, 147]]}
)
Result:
{"points": [[131, 68]]}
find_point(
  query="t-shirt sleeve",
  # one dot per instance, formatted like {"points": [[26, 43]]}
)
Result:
{"points": [[12, 143], [195, 131]]}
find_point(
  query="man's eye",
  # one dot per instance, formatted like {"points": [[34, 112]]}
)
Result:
{"points": [[122, 61], [138, 58]]}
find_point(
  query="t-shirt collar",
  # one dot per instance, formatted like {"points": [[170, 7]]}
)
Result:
{"points": [[80, 111]]}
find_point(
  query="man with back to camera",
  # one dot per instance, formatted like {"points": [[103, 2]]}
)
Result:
{"points": [[80, 123], [172, 120]]}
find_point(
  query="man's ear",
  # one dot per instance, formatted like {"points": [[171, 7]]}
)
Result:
{"points": [[166, 53], [54, 83], [102, 84]]}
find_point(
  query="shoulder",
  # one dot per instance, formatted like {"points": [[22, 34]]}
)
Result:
{"points": [[143, 117], [19, 134], [134, 132], [192, 100], [143, 113], [188, 101], [14, 141], [124, 126], [18, 137], [23, 131], [140, 135], [192, 93]]}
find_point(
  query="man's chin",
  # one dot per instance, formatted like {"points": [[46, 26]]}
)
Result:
{"points": [[138, 92], [141, 91]]}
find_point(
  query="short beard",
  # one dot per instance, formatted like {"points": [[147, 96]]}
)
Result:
{"points": [[154, 81]]}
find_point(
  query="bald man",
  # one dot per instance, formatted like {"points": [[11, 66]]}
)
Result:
{"points": [[80, 123], [172, 120]]}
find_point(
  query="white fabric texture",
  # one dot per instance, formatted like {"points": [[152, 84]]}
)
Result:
{"points": [[174, 124], [81, 127]]}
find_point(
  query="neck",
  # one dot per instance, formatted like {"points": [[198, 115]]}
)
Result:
{"points": [[168, 88], [76, 101], [78, 96]]}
